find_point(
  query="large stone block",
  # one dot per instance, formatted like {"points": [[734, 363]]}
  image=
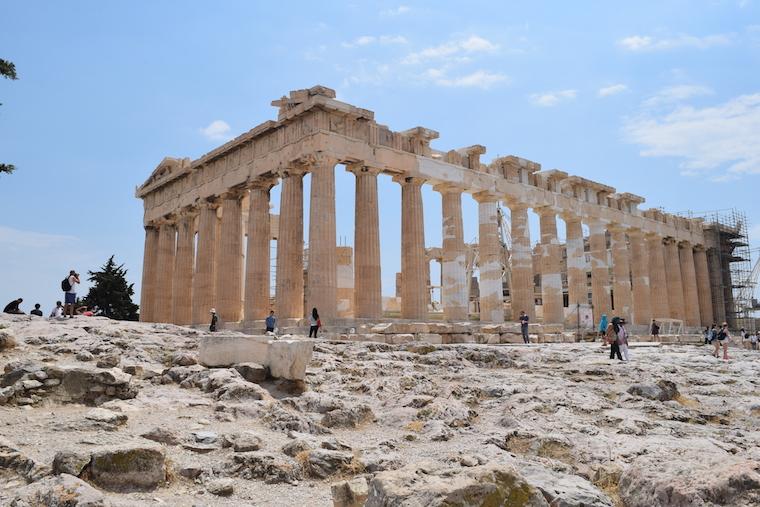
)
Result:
{"points": [[285, 359], [128, 468]]}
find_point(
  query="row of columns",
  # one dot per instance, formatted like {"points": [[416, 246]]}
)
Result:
{"points": [[651, 277]]}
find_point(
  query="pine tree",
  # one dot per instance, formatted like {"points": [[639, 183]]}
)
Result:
{"points": [[111, 292], [8, 71]]}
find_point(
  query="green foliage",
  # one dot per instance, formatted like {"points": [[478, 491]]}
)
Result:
{"points": [[111, 292], [7, 168], [7, 69]]}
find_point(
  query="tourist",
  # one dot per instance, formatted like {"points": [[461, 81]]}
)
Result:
{"points": [[524, 321], [57, 312], [314, 323], [84, 311], [214, 320], [744, 337], [611, 336], [36, 310], [97, 311], [603, 326], [722, 341], [655, 329], [69, 286], [707, 335], [13, 307], [271, 322], [754, 339], [713, 333], [623, 339]]}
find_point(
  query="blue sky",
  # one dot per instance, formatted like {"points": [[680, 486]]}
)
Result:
{"points": [[661, 99]]}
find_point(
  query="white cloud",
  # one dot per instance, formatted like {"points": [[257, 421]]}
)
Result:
{"points": [[401, 9], [677, 93], [612, 90], [15, 238], [216, 130], [452, 50], [478, 79], [720, 140], [649, 43], [550, 99], [366, 40]]}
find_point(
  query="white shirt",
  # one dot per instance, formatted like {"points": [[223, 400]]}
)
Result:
{"points": [[57, 312], [73, 282]]}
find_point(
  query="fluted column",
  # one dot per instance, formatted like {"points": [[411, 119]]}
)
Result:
{"points": [[657, 278], [600, 271], [716, 282], [204, 295], [150, 270], [522, 263], [322, 274], [182, 313], [454, 294], [368, 301], [289, 283], [577, 289], [491, 288], [229, 271], [413, 264], [674, 280], [703, 285], [642, 308], [551, 267], [621, 270], [163, 307], [257, 259], [690, 290]]}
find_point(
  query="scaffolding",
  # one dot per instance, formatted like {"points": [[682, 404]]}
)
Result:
{"points": [[730, 263]]}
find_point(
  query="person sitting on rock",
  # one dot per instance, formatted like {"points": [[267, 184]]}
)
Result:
{"points": [[13, 307], [36, 310], [57, 312]]}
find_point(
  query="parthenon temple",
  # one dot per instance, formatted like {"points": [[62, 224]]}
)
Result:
{"points": [[643, 264]]}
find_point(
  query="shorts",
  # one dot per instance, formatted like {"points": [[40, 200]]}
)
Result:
{"points": [[70, 298]]}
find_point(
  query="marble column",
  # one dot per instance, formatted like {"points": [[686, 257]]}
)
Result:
{"points": [[368, 301], [690, 290], [522, 263], [491, 288], [150, 270], [229, 269], [621, 270], [257, 259], [657, 279], [642, 308], [600, 271], [182, 313], [204, 294], [716, 283], [413, 263], [289, 282], [577, 288], [163, 307], [703, 285], [674, 280], [454, 294], [551, 268], [322, 277]]}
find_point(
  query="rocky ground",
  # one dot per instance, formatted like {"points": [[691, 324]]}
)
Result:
{"points": [[96, 412]]}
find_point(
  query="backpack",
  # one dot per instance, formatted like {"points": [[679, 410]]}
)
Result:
{"points": [[66, 285]]}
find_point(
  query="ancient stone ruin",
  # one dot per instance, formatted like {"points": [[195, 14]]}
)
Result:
{"points": [[643, 264]]}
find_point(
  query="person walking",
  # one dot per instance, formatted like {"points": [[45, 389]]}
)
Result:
{"points": [[613, 338], [655, 329], [36, 310], [214, 320], [722, 341], [271, 322], [623, 338], [314, 323], [754, 339], [524, 321], [13, 307], [603, 325], [69, 286]]}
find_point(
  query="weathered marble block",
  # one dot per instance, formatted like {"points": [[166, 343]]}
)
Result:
{"points": [[285, 359]]}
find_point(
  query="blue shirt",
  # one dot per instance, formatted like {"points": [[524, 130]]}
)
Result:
{"points": [[271, 320]]}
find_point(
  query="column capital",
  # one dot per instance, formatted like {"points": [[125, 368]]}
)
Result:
{"points": [[569, 216], [515, 205], [292, 169], [545, 210], [486, 196], [262, 182], [668, 240], [617, 227], [318, 158], [699, 247], [684, 244], [403, 180], [448, 188], [361, 167], [150, 225], [209, 203], [234, 193], [188, 212], [170, 219]]}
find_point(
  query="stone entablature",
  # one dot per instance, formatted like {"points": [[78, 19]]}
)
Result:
{"points": [[226, 192]]}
